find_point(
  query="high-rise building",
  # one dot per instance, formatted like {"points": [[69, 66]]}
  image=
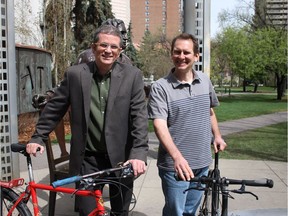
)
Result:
{"points": [[154, 16], [271, 12], [197, 22], [121, 10]]}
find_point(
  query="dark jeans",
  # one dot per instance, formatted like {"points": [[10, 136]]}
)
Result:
{"points": [[119, 199]]}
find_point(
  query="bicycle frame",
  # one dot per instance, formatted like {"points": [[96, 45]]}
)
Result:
{"points": [[31, 188], [215, 187]]}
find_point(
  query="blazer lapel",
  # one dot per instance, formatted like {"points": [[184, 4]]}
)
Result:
{"points": [[116, 80], [86, 77]]}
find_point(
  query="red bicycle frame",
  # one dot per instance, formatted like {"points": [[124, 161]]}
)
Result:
{"points": [[30, 191]]}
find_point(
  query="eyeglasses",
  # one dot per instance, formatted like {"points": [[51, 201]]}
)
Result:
{"points": [[105, 46]]}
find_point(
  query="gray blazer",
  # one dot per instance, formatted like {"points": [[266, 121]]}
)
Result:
{"points": [[126, 122]]}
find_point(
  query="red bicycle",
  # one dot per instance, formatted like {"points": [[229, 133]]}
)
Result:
{"points": [[13, 203]]}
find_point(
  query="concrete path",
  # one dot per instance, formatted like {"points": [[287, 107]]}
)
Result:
{"points": [[150, 200]]}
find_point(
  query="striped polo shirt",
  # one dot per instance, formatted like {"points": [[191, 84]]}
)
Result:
{"points": [[186, 108]]}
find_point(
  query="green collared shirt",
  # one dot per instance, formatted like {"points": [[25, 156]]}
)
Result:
{"points": [[99, 96]]}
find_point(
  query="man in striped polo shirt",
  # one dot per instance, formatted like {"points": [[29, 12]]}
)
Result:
{"points": [[180, 105]]}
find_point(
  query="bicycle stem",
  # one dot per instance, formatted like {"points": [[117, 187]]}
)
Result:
{"points": [[30, 169]]}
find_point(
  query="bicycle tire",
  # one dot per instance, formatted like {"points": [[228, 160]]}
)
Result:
{"points": [[206, 206], [8, 198]]}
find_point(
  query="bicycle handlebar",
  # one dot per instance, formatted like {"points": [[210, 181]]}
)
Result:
{"points": [[125, 172], [255, 183], [225, 181], [66, 181]]}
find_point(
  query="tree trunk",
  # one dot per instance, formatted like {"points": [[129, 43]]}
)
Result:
{"points": [[255, 87], [244, 85], [281, 85]]}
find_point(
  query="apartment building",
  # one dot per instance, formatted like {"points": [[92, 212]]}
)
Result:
{"points": [[155, 15], [121, 10], [272, 12]]}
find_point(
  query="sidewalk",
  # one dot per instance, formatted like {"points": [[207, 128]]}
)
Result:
{"points": [[150, 200]]}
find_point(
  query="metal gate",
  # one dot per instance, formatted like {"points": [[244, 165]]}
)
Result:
{"points": [[8, 92]]}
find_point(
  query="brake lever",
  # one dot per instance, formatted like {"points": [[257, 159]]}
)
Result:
{"points": [[243, 191], [86, 183], [199, 187]]}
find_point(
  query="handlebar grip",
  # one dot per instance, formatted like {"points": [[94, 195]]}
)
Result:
{"points": [[255, 183], [66, 181], [17, 147], [262, 182]]}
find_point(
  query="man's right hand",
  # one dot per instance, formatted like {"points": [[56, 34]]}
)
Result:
{"points": [[32, 148]]}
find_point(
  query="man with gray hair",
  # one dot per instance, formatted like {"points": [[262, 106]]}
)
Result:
{"points": [[87, 55], [109, 122]]}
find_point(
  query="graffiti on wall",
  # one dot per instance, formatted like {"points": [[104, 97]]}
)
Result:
{"points": [[33, 67]]}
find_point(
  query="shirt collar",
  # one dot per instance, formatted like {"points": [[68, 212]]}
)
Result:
{"points": [[96, 74], [175, 83]]}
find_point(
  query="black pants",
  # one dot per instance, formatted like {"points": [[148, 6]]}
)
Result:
{"points": [[119, 199]]}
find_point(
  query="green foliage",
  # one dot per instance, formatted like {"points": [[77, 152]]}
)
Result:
{"points": [[130, 50], [66, 42], [270, 46], [253, 46], [251, 55], [58, 35], [154, 55], [88, 15]]}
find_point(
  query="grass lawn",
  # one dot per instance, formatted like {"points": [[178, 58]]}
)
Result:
{"points": [[248, 105], [267, 143]]}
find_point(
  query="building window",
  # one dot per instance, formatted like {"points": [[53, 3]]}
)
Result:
{"points": [[146, 2], [198, 5], [146, 26]]}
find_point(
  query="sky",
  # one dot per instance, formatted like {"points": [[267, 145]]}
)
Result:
{"points": [[216, 7]]}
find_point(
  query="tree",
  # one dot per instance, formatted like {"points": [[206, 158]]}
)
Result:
{"points": [[219, 64], [270, 46], [27, 26], [58, 35], [130, 50], [268, 39], [154, 55], [69, 27], [235, 49], [88, 15]]}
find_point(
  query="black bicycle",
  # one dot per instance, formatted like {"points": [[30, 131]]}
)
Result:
{"points": [[216, 192]]}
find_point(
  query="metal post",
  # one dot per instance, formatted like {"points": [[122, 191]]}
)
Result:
{"points": [[189, 16], [8, 93]]}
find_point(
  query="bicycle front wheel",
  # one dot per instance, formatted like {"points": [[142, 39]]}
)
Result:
{"points": [[8, 198], [211, 204]]}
